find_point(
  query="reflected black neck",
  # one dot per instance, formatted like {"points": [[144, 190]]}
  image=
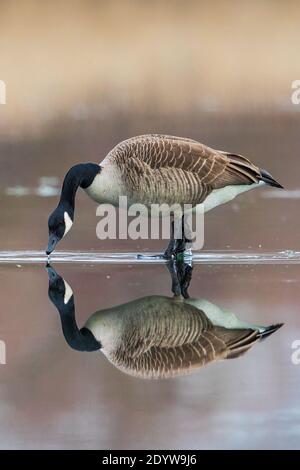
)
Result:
{"points": [[81, 175], [79, 339]]}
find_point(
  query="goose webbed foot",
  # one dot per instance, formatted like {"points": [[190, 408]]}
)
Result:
{"points": [[167, 255], [175, 248], [178, 249]]}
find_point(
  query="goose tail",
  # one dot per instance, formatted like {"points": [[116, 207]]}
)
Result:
{"points": [[243, 343], [269, 330], [242, 171], [249, 337], [268, 179]]}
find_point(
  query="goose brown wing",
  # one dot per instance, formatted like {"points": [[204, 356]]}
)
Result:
{"points": [[213, 168], [211, 345], [165, 323], [178, 343]]}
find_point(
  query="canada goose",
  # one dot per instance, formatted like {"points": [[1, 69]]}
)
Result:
{"points": [[156, 336], [157, 169]]}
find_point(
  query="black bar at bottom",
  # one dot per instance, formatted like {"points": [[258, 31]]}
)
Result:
{"points": [[137, 458]]}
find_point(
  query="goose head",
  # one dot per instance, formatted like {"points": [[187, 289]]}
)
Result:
{"points": [[61, 295], [59, 223], [61, 219]]}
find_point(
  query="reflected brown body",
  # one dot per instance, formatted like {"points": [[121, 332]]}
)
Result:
{"points": [[156, 337]]}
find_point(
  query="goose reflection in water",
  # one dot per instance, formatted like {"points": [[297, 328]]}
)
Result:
{"points": [[157, 336]]}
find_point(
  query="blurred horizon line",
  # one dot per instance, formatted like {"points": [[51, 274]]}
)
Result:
{"points": [[82, 60]]}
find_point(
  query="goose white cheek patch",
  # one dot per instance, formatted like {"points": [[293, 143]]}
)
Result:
{"points": [[68, 293], [68, 222]]}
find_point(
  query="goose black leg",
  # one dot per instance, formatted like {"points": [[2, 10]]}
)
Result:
{"points": [[172, 268], [178, 245], [169, 252], [185, 271], [181, 275]]}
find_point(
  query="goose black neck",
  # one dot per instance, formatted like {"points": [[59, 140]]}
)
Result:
{"points": [[78, 339], [81, 175]]}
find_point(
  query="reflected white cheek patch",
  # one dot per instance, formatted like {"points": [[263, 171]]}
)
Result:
{"points": [[68, 292], [68, 222]]}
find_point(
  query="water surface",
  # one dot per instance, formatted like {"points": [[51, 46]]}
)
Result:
{"points": [[55, 397], [52, 396]]}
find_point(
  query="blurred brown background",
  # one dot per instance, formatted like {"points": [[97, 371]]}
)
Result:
{"points": [[83, 75], [78, 59]]}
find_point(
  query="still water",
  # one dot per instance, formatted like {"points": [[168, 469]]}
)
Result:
{"points": [[54, 396]]}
